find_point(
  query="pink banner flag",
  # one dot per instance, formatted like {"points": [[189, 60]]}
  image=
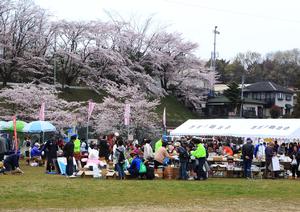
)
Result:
{"points": [[127, 115], [91, 108], [42, 112]]}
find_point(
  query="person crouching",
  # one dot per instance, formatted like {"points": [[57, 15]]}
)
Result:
{"points": [[11, 164], [135, 164]]}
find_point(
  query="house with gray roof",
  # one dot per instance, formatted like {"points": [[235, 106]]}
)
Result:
{"points": [[271, 94]]}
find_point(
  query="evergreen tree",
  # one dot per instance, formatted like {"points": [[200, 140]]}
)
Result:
{"points": [[233, 94]]}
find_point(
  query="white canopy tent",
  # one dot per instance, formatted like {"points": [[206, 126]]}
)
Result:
{"points": [[262, 128]]}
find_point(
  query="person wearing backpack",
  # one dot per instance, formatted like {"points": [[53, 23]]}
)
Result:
{"points": [[183, 159], [120, 156]]}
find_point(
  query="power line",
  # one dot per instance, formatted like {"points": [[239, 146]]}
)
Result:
{"points": [[232, 11]]}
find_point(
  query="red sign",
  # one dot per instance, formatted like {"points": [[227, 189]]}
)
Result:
{"points": [[15, 133]]}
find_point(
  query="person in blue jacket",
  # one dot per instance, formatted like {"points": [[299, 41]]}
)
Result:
{"points": [[135, 165], [36, 153]]}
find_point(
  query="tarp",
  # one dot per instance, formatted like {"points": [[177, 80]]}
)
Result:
{"points": [[262, 128]]}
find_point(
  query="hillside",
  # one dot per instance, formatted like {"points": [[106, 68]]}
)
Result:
{"points": [[177, 113]]}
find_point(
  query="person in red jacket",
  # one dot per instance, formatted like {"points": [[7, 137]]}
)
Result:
{"points": [[227, 150]]}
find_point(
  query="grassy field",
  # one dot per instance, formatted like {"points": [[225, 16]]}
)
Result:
{"points": [[177, 113], [37, 191]]}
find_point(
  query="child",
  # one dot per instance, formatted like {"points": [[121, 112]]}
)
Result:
{"points": [[27, 147]]}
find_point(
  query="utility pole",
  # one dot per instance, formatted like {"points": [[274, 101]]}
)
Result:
{"points": [[55, 64], [214, 53], [242, 94], [213, 59]]}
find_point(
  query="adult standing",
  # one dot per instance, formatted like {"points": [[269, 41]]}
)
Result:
{"points": [[260, 150], [120, 156], [294, 163], [27, 146], [183, 160], [77, 155], [275, 146], [148, 151], [200, 156], [51, 149], [270, 151], [298, 162], [104, 148], [247, 154], [69, 154], [3, 148]]}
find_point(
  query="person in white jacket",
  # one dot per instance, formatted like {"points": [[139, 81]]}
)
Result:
{"points": [[148, 151], [260, 154]]}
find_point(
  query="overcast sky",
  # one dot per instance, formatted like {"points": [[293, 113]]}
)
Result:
{"points": [[245, 25]]}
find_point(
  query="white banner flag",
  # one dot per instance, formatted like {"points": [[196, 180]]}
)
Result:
{"points": [[127, 115], [164, 120]]}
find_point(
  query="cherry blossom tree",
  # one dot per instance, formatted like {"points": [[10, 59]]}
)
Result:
{"points": [[110, 114], [25, 102], [24, 39]]}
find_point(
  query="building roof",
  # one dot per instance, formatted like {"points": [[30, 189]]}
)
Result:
{"points": [[220, 88], [221, 100], [267, 86]]}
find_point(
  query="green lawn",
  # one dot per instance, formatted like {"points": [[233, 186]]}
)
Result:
{"points": [[71, 94], [37, 190], [177, 113]]}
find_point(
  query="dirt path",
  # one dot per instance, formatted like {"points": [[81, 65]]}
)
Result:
{"points": [[212, 206]]}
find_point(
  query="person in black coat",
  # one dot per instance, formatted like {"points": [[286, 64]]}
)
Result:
{"points": [[247, 154], [69, 154], [183, 159], [104, 148], [51, 149], [11, 164], [270, 152]]}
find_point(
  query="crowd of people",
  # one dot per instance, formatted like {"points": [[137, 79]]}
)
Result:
{"points": [[142, 159]]}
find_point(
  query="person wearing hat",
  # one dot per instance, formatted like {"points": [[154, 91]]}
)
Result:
{"points": [[36, 153], [159, 143], [247, 155], [260, 149], [69, 154]]}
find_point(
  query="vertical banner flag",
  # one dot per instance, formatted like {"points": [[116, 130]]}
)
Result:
{"points": [[15, 133], [164, 120], [42, 112], [127, 115], [91, 108]]}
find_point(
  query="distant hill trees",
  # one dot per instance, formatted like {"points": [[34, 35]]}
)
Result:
{"points": [[281, 67]]}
